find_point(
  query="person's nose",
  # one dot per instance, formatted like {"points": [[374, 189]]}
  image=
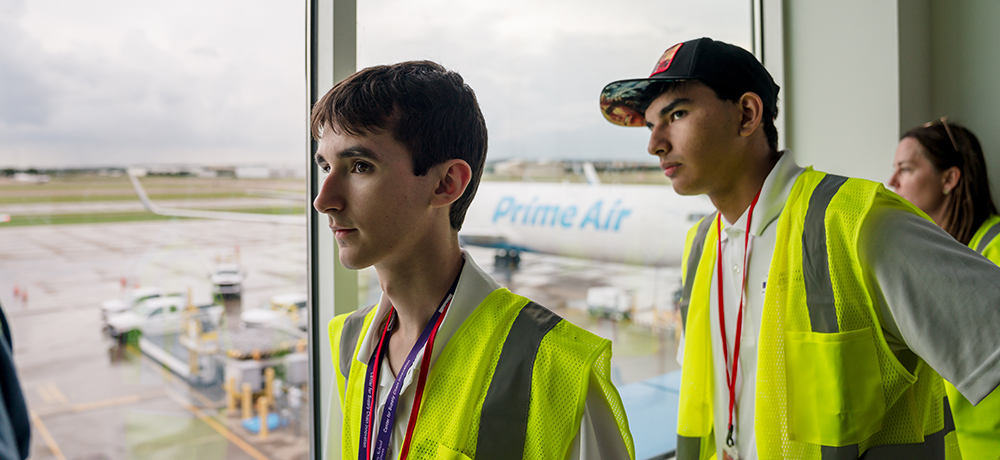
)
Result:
{"points": [[658, 145], [894, 180], [330, 198]]}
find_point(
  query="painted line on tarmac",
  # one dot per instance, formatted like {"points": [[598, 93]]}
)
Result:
{"points": [[232, 437], [168, 375], [49, 440], [50, 393], [101, 404]]}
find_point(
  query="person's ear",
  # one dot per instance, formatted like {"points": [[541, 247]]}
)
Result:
{"points": [[453, 177], [949, 179], [751, 113]]}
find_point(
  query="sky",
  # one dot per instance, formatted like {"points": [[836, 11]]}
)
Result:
{"points": [[223, 82]]}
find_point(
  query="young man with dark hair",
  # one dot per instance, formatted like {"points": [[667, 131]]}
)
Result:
{"points": [[810, 331], [448, 364]]}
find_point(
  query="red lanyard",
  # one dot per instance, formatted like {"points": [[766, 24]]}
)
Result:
{"points": [[425, 366], [371, 388], [731, 376]]}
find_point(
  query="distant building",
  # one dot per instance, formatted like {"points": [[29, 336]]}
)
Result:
{"points": [[253, 172], [530, 169], [31, 178]]}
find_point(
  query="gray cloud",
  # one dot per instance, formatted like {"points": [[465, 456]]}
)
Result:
{"points": [[139, 102], [22, 94], [538, 67], [110, 82]]}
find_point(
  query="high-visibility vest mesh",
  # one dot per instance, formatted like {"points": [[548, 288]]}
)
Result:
{"points": [[986, 240], [602, 371], [816, 389], [694, 417], [352, 392], [449, 418], [977, 427], [567, 350]]}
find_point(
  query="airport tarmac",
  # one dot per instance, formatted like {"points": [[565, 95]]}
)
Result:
{"points": [[36, 209], [91, 400]]}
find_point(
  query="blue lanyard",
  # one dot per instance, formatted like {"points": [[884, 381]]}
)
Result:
{"points": [[389, 411]]}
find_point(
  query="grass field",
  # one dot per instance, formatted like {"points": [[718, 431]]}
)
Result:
{"points": [[94, 189], [83, 188], [96, 218]]}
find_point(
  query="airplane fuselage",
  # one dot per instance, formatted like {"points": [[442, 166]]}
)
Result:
{"points": [[636, 224]]}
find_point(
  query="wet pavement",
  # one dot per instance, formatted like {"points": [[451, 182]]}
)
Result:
{"points": [[92, 399]]}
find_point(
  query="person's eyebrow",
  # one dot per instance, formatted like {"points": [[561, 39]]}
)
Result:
{"points": [[358, 151], [355, 151], [669, 107]]}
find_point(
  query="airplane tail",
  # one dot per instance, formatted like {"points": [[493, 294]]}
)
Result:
{"points": [[199, 214], [591, 174]]}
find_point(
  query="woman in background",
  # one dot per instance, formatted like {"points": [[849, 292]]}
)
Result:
{"points": [[939, 167]]}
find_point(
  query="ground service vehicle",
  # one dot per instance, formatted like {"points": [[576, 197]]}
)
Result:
{"points": [[160, 315]]}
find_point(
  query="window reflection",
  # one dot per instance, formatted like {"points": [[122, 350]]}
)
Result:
{"points": [[537, 69]]}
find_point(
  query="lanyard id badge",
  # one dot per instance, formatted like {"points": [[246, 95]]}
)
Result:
{"points": [[729, 450], [730, 453], [377, 449]]}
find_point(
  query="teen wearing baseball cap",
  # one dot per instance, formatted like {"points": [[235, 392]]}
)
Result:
{"points": [[818, 310]]}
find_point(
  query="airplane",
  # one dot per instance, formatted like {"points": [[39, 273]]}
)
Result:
{"points": [[632, 224]]}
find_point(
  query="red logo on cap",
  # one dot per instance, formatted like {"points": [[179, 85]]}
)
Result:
{"points": [[668, 57]]}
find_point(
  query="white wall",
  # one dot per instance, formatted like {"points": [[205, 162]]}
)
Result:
{"points": [[915, 86], [841, 87], [858, 73], [965, 56]]}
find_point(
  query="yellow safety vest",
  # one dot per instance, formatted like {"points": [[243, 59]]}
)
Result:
{"points": [[828, 386], [978, 427], [985, 240], [488, 397]]}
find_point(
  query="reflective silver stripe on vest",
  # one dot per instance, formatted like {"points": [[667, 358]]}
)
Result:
{"points": [[694, 258], [933, 447], [988, 237], [815, 260], [839, 453], [688, 448], [949, 420], [503, 422], [349, 337]]}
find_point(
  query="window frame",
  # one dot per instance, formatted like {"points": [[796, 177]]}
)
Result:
{"points": [[331, 41]]}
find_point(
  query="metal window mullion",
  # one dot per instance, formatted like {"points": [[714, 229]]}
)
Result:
{"points": [[331, 42]]}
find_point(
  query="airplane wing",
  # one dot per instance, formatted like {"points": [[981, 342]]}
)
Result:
{"points": [[484, 237], [277, 194], [200, 214]]}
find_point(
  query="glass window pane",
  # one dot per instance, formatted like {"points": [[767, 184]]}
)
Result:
{"points": [[127, 325], [537, 68]]}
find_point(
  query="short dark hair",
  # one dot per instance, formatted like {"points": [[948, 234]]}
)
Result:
{"points": [[657, 89], [970, 203], [427, 108]]}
